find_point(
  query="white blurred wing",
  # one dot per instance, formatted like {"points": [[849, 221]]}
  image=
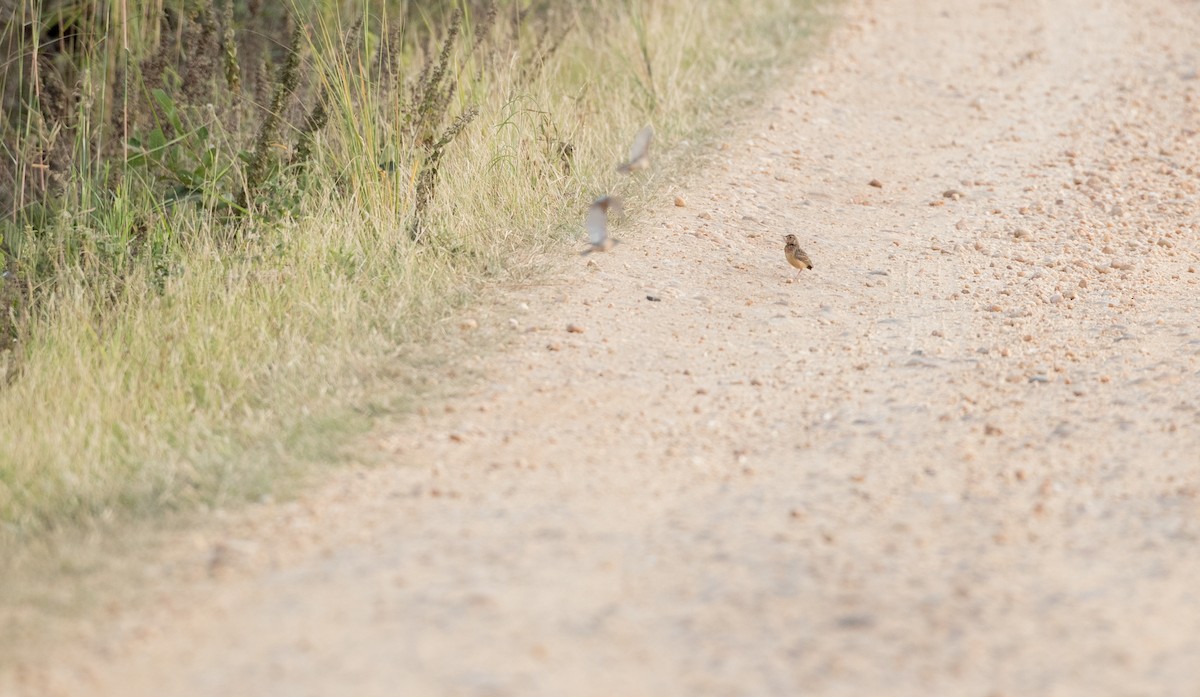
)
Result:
{"points": [[596, 223], [639, 152], [641, 144]]}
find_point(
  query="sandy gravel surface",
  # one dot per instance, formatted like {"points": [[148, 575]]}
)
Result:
{"points": [[961, 456]]}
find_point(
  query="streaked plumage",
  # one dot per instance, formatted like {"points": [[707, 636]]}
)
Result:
{"points": [[639, 152], [795, 256], [597, 224]]}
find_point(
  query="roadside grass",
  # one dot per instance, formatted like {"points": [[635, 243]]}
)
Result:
{"points": [[224, 346]]}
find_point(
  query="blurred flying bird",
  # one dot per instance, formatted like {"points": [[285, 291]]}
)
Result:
{"points": [[639, 152], [597, 224]]}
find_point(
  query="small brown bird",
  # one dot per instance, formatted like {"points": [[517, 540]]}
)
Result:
{"points": [[795, 256], [639, 152], [597, 224]]}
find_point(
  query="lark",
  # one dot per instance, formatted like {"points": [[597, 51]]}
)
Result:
{"points": [[795, 256], [597, 224], [639, 152]]}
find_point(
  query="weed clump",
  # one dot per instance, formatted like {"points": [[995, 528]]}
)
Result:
{"points": [[229, 52], [429, 103], [268, 132]]}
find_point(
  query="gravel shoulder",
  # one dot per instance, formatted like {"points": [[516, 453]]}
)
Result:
{"points": [[957, 457]]}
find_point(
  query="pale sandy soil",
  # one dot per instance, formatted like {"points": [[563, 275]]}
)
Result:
{"points": [[960, 457]]}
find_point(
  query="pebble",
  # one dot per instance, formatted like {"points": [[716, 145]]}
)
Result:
{"points": [[575, 328], [468, 325], [856, 622], [679, 202], [875, 183], [228, 553]]}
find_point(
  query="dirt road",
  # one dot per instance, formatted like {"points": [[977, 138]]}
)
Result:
{"points": [[960, 456]]}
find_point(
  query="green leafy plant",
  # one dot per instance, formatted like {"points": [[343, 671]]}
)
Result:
{"points": [[181, 161]]}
